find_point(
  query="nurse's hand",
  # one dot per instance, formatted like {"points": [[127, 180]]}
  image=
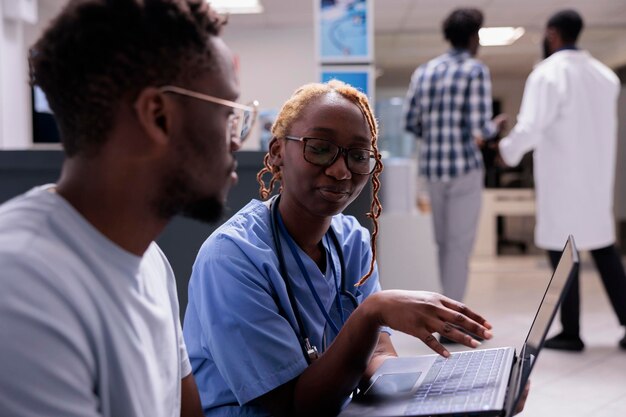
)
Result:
{"points": [[422, 313]]}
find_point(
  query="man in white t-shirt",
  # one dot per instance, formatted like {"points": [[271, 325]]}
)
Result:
{"points": [[89, 319]]}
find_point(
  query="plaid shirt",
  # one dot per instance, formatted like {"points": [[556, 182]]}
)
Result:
{"points": [[447, 105]]}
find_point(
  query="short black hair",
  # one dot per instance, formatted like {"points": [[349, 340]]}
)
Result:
{"points": [[98, 53], [461, 25], [568, 23]]}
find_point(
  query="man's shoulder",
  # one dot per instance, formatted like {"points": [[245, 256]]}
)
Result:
{"points": [[50, 245], [32, 248], [602, 68], [552, 68], [23, 222], [32, 199], [473, 66], [41, 275], [436, 61], [467, 64]]}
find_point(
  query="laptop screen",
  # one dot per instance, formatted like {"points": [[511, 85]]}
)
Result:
{"points": [[551, 299], [565, 270]]}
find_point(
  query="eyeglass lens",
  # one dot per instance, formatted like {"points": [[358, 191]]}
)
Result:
{"points": [[323, 152], [240, 124]]}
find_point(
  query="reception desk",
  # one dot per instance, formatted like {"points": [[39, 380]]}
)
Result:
{"points": [[500, 202]]}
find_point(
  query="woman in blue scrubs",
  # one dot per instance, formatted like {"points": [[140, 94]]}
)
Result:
{"points": [[272, 326]]}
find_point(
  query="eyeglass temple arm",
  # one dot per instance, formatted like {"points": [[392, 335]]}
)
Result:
{"points": [[199, 96]]}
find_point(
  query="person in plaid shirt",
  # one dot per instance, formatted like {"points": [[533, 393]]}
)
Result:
{"points": [[448, 108]]}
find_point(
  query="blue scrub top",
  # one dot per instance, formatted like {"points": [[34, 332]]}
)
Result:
{"points": [[239, 326]]}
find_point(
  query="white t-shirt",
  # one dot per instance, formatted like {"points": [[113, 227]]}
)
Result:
{"points": [[86, 328]]}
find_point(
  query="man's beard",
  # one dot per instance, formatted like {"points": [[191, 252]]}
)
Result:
{"points": [[177, 197], [546, 48], [208, 210]]}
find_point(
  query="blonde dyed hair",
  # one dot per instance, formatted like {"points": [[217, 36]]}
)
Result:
{"points": [[291, 111]]}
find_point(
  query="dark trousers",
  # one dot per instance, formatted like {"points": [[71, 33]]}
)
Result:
{"points": [[609, 265]]}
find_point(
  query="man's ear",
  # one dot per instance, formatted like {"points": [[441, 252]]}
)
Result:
{"points": [[153, 115], [276, 150], [553, 36]]}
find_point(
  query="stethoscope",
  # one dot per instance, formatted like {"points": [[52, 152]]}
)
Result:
{"points": [[278, 227]]}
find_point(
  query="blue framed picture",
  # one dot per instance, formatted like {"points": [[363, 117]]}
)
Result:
{"points": [[358, 76], [344, 31]]}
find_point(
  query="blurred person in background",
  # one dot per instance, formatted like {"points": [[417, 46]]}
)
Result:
{"points": [[449, 110], [568, 116]]}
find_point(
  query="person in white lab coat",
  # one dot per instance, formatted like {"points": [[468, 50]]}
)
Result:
{"points": [[568, 117]]}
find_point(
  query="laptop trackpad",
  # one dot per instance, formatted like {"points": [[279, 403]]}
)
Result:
{"points": [[393, 384]]}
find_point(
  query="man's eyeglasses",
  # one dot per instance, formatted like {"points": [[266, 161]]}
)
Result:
{"points": [[324, 153], [239, 123]]}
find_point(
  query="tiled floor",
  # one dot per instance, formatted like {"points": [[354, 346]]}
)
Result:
{"points": [[507, 291]]}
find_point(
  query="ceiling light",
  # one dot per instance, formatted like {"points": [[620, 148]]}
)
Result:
{"points": [[499, 36], [236, 6]]}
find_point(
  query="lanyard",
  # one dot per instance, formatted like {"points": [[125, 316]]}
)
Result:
{"points": [[307, 278]]}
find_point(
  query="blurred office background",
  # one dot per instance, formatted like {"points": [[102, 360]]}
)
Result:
{"points": [[277, 53], [276, 48]]}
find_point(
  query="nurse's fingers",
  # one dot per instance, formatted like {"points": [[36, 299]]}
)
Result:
{"points": [[453, 332], [462, 316], [431, 341], [465, 310]]}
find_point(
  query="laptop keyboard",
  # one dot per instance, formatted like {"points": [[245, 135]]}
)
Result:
{"points": [[466, 381]]}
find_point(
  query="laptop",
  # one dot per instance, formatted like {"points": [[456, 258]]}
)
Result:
{"points": [[485, 382]]}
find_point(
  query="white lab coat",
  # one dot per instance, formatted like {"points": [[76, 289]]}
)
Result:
{"points": [[569, 117]]}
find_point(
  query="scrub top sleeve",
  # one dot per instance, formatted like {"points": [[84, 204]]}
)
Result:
{"points": [[253, 346], [48, 345]]}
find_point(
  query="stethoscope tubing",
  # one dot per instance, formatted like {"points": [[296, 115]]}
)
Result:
{"points": [[303, 333]]}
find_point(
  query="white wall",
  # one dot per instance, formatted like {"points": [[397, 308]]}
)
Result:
{"points": [[273, 63], [614, 56], [2, 77], [15, 114], [16, 38]]}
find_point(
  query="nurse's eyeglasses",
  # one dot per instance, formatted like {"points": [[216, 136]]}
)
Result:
{"points": [[240, 122], [324, 153]]}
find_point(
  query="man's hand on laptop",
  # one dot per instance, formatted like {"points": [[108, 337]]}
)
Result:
{"points": [[422, 313]]}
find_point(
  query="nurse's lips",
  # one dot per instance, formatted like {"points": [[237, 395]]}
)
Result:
{"points": [[334, 193]]}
